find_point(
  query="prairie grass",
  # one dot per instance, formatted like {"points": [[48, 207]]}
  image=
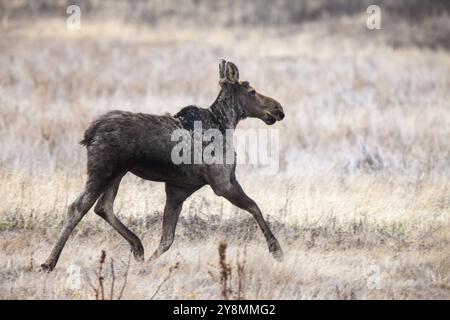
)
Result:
{"points": [[360, 204], [333, 233]]}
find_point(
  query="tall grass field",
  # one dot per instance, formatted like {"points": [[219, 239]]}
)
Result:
{"points": [[360, 202]]}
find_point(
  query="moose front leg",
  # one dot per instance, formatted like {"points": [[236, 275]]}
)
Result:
{"points": [[175, 196], [233, 192]]}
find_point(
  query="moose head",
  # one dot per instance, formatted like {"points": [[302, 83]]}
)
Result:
{"points": [[252, 103]]}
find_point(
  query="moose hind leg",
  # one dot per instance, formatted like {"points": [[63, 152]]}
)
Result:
{"points": [[104, 208], [75, 213], [233, 192]]}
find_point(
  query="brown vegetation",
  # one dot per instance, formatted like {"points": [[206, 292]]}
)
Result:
{"points": [[360, 205]]}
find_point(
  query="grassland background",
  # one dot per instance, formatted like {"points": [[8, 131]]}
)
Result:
{"points": [[363, 192]]}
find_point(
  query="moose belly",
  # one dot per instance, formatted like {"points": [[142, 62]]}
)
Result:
{"points": [[166, 171]]}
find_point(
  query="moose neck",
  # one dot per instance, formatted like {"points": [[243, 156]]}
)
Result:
{"points": [[226, 110]]}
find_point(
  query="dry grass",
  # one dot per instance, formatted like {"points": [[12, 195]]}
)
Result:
{"points": [[361, 204], [334, 234]]}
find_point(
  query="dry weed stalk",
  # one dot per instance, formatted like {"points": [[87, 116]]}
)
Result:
{"points": [[225, 275], [225, 272], [125, 278], [171, 269], [99, 290], [113, 280], [240, 266]]}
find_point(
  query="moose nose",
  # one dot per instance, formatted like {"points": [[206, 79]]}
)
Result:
{"points": [[281, 115]]}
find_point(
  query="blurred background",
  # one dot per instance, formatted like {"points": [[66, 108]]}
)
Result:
{"points": [[364, 177], [356, 99]]}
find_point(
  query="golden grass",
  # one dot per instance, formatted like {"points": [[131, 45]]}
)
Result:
{"points": [[333, 234], [362, 192]]}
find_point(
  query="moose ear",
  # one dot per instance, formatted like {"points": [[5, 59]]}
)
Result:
{"points": [[222, 64], [231, 72], [228, 72]]}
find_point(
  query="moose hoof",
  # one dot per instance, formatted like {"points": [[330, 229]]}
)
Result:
{"points": [[46, 268], [138, 257], [138, 254], [276, 250], [278, 255]]}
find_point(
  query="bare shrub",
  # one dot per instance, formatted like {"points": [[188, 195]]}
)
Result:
{"points": [[99, 288]]}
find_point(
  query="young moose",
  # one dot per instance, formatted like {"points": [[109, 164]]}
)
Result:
{"points": [[121, 141]]}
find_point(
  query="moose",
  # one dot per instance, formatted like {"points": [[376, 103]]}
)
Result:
{"points": [[119, 142]]}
